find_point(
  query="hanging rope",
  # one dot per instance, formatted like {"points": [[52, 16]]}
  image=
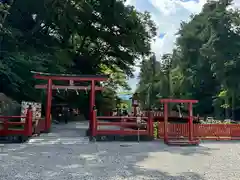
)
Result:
{"points": [[66, 91], [71, 83], [77, 92]]}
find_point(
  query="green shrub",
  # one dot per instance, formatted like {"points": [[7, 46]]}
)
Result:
{"points": [[155, 130]]}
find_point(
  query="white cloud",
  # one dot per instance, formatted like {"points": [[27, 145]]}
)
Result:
{"points": [[237, 3], [131, 2], [168, 21], [167, 7], [193, 6], [168, 14], [165, 44]]}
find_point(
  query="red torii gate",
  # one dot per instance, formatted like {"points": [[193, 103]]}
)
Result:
{"points": [[190, 102], [71, 78]]}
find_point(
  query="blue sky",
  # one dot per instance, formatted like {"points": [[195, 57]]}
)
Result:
{"points": [[167, 14]]}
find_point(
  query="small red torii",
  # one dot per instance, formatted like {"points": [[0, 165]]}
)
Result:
{"points": [[190, 121]]}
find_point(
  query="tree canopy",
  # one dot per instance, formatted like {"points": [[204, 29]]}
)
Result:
{"points": [[204, 65], [77, 36]]}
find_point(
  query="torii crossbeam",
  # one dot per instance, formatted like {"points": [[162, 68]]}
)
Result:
{"points": [[71, 78]]}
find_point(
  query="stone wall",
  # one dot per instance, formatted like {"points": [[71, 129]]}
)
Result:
{"points": [[9, 107]]}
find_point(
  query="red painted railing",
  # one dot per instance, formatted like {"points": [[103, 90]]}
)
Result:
{"points": [[126, 125], [160, 114], [202, 131], [175, 130], [154, 113], [8, 126]]}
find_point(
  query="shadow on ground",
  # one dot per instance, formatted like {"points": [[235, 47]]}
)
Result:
{"points": [[99, 160], [94, 161]]}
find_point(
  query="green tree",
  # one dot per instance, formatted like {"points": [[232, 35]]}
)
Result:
{"points": [[76, 36], [204, 65], [148, 82]]}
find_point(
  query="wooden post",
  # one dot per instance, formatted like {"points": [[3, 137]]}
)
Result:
{"points": [[134, 111], [150, 124], [94, 123], [135, 104], [49, 106], [92, 105], [5, 127], [28, 122], [190, 121], [165, 122]]}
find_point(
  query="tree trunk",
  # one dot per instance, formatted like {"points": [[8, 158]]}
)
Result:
{"points": [[226, 109], [233, 105]]}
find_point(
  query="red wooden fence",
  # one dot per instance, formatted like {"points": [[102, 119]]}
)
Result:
{"points": [[160, 113], [154, 113], [125, 123], [202, 131], [175, 130], [8, 129]]}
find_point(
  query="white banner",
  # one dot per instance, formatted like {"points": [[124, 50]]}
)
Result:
{"points": [[36, 108]]}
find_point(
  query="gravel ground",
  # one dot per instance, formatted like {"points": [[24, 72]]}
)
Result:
{"points": [[64, 155]]}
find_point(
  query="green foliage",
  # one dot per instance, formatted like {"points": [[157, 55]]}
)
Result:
{"points": [[205, 63], [155, 130], [79, 37], [148, 81]]}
